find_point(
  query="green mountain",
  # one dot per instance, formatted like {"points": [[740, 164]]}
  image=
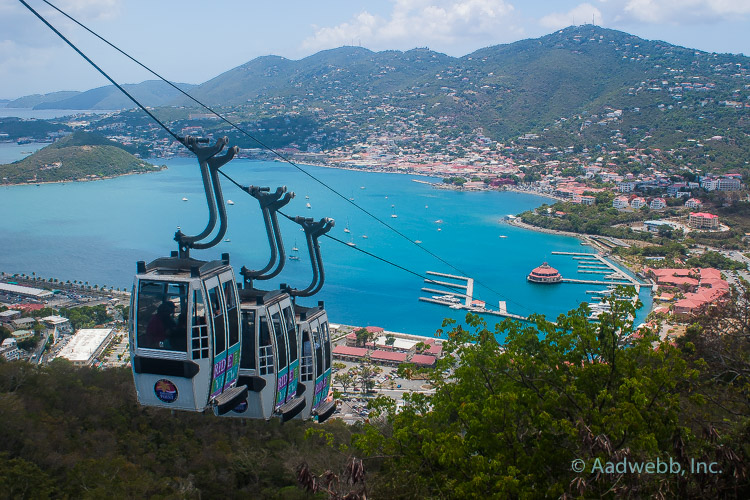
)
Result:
{"points": [[79, 156], [507, 90], [150, 93], [30, 101]]}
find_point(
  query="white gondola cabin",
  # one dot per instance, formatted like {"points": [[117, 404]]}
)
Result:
{"points": [[270, 365], [315, 368], [185, 337]]}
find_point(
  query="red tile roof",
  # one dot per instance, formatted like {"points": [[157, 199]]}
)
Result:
{"points": [[423, 359], [388, 356], [350, 351]]}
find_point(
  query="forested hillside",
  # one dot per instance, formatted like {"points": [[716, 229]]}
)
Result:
{"points": [[559, 410], [79, 156]]}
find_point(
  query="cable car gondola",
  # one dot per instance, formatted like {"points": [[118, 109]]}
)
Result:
{"points": [[270, 357], [185, 338], [315, 374]]}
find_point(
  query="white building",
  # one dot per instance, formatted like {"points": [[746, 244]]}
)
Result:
{"points": [[26, 291], [86, 345], [61, 324], [693, 203], [9, 350], [620, 202], [722, 184], [657, 204], [626, 187], [637, 203], [9, 315]]}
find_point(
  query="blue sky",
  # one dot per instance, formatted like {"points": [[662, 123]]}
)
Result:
{"points": [[193, 41]]}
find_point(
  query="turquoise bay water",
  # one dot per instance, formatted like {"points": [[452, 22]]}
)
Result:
{"points": [[96, 231]]}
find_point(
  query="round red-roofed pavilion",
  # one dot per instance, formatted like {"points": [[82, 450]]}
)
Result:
{"points": [[544, 274]]}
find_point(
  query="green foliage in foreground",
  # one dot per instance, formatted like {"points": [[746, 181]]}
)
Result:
{"points": [[79, 433], [507, 422], [511, 419]]}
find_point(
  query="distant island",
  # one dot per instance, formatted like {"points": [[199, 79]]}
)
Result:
{"points": [[81, 156]]}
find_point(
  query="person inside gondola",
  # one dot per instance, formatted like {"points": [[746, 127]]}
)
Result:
{"points": [[160, 326]]}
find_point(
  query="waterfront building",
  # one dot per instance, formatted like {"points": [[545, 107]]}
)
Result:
{"points": [[348, 353], [388, 358], [702, 220], [86, 345], [544, 274], [26, 291]]}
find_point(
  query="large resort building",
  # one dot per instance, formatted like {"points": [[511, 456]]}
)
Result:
{"points": [[544, 274], [702, 220]]}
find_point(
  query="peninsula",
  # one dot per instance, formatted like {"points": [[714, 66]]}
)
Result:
{"points": [[81, 156]]}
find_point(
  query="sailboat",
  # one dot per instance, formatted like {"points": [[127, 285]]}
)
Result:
{"points": [[393, 215], [346, 229], [295, 252]]}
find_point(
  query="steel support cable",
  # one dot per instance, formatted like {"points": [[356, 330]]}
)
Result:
{"points": [[245, 133], [382, 259], [426, 278], [100, 70]]}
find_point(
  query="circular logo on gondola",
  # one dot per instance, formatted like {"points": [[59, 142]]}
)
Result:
{"points": [[166, 391], [240, 408]]}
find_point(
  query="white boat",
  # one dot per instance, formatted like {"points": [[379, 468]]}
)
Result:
{"points": [[351, 243], [364, 236], [502, 236], [230, 202], [418, 242], [227, 240], [361, 187], [308, 205], [346, 229], [184, 199], [393, 215], [439, 221], [295, 252], [440, 229]]}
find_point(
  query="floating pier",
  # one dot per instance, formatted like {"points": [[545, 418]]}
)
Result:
{"points": [[468, 296], [597, 264]]}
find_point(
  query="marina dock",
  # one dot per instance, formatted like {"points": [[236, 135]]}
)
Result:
{"points": [[597, 264], [445, 296]]}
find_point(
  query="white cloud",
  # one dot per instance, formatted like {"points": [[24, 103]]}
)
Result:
{"points": [[580, 14], [680, 11], [420, 22]]}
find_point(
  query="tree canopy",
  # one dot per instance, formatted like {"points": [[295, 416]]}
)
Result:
{"points": [[512, 419]]}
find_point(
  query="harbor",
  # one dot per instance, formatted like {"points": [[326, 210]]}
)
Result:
{"points": [[463, 301], [459, 293]]}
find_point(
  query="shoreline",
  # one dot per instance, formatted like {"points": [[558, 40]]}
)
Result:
{"points": [[104, 178], [585, 240]]}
